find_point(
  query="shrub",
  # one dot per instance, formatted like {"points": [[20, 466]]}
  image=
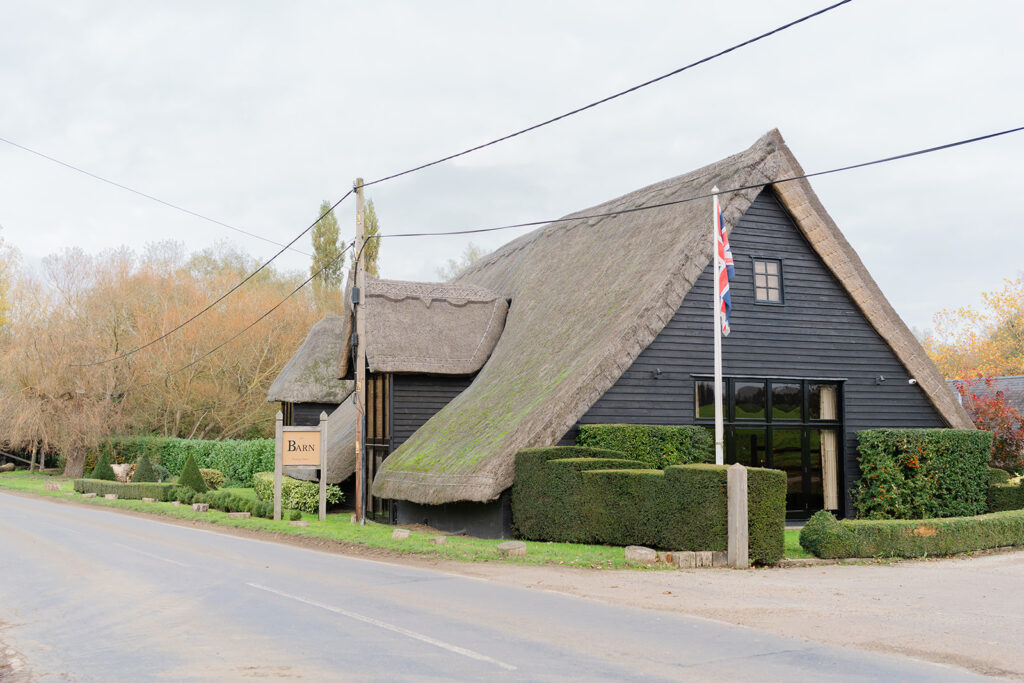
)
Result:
{"points": [[684, 507], [214, 479], [144, 471], [1006, 496], [162, 473], [132, 491], [547, 491], [103, 470], [825, 536], [238, 459], [191, 477], [922, 473], [991, 411], [295, 494], [656, 446], [998, 476], [295, 515]]}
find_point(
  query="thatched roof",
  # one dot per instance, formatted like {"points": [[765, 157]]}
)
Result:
{"points": [[588, 295], [341, 454], [437, 328], [311, 376]]}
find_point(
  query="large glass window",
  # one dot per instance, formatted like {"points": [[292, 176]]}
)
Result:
{"points": [[785, 424]]}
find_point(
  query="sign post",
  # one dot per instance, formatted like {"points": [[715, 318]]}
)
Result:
{"points": [[300, 446]]}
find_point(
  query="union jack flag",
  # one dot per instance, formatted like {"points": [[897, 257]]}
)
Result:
{"points": [[726, 268]]}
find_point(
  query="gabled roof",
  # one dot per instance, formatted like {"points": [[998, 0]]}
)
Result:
{"points": [[588, 295], [311, 376]]}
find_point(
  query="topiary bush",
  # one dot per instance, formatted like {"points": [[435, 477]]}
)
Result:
{"points": [[547, 491], [190, 476], [295, 494], [827, 537], [162, 473], [144, 471], [657, 446], [295, 515], [214, 479], [922, 473], [103, 470]]}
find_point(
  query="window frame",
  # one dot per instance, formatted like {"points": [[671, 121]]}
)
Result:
{"points": [[754, 260]]}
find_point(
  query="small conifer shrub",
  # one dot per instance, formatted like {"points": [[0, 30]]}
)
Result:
{"points": [[191, 477], [103, 470], [144, 471]]}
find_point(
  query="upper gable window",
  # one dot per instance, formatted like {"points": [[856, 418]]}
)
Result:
{"points": [[768, 281]]}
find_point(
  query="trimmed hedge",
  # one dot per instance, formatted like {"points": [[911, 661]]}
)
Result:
{"points": [[547, 492], [295, 494], [227, 501], [998, 476], [586, 495], [213, 479], [657, 446], [827, 537], [238, 459], [684, 507], [132, 491], [1002, 497], [922, 473]]}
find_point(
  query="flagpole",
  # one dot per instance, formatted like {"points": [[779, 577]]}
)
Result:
{"points": [[715, 275]]}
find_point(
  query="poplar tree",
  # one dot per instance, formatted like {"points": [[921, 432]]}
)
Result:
{"points": [[327, 264]]}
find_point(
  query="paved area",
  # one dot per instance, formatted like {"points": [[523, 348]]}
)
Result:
{"points": [[92, 595]]}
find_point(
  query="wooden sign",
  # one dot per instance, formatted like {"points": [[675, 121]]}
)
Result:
{"points": [[300, 447]]}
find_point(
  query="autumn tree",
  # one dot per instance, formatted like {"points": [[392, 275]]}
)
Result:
{"points": [[991, 411], [456, 267], [989, 341], [327, 264], [8, 262]]}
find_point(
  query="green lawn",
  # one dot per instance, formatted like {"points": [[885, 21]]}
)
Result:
{"points": [[793, 549], [338, 527]]}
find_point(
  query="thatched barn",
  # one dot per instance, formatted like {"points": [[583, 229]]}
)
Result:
{"points": [[607, 318]]}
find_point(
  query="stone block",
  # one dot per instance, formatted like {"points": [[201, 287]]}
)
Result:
{"points": [[512, 548], [719, 558], [88, 495], [149, 500], [7, 467], [200, 507], [439, 540], [175, 503], [400, 533], [110, 496], [52, 486], [641, 555], [239, 515], [300, 522], [685, 559], [702, 558]]}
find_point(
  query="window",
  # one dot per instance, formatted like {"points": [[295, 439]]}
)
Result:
{"points": [[767, 281]]}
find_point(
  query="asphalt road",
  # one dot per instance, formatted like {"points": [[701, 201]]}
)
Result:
{"points": [[87, 594]]}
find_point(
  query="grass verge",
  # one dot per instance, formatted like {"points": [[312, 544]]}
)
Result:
{"points": [[337, 527]]}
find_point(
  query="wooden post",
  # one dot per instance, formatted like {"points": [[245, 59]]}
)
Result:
{"points": [[323, 466], [736, 484], [278, 465], [360, 374]]}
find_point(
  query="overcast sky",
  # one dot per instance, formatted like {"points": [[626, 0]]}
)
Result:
{"points": [[253, 112]]}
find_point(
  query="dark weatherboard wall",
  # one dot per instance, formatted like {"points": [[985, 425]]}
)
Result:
{"points": [[416, 398], [818, 332]]}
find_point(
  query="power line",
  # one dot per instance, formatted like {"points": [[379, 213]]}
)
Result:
{"points": [[470, 150], [220, 298], [609, 98], [248, 327], [150, 197], [605, 214]]}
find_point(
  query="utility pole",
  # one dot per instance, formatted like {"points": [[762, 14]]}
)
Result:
{"points": [[360, 374]]}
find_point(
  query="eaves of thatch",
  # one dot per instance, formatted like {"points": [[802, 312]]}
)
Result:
{"points": [[437, 328], [588, 295], [311, 376]]}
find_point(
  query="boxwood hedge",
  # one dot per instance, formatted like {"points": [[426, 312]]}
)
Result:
{"points": [[133, 491], [295, 494], [238, 459], [656, 446], [827, 537]]}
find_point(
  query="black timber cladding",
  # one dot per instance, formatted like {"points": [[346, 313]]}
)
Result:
{"points": [[817, 333], [417, 398], [308, 414]]}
